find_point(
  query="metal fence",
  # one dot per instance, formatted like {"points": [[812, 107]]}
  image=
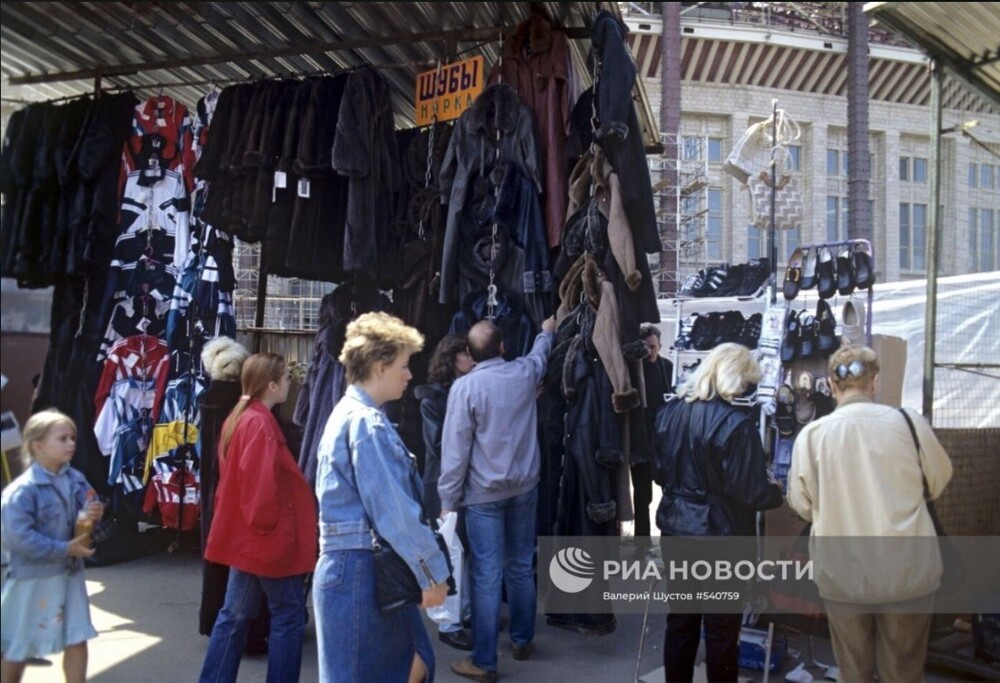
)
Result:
{"points": [[966, 386]]}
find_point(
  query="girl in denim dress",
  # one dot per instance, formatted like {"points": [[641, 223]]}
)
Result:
{"points": [[44, 602]]}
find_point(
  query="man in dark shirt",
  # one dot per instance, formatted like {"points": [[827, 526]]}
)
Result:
{"points": [[658, 373]]}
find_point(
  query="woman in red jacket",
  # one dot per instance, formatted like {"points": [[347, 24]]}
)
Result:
{"points": [[264, 529]]}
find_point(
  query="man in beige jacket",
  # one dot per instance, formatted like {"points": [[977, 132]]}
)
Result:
{"points": [[857, 474]]}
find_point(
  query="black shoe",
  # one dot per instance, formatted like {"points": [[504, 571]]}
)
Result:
{"points": [[734, 280], [784, 416], [730, 327], [711, 281], [755, 275], [750, 334], [793, 275], [864, 271], [826, 276], [790, 342], [807, 335], [704, 331], [809, 263], [845, 272], [826, 326], [459, 640]]}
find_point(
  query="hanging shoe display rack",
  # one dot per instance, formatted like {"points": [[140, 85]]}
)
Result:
{"points": [[856, 255]]}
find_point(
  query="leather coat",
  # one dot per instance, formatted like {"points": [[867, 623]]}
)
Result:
{"points": [[712, 467]]}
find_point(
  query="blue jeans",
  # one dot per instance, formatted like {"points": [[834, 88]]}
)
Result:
{"points": [[511, 521], [286, 598], [356, 642]]}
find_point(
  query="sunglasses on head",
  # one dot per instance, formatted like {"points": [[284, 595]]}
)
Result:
{"points": [[855, 368]]}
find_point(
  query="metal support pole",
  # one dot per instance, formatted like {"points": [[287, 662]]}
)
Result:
{"points": [[933, 242], [772, 234], [258, 323]]}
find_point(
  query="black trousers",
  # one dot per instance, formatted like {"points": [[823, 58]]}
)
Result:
{"points": [[642, 497], [722, 646]]}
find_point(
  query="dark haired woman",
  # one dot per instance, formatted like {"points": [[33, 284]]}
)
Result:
{"points": [[264, 529], [450, 361]]}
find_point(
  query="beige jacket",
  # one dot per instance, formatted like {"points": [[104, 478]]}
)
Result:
{"points": [[856, 473]]}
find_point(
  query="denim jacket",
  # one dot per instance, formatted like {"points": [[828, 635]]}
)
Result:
{"points": [[38, 521], [366, 478]]}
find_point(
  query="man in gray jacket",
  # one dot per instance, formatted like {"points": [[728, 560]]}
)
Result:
{"points": [[490, 463]]}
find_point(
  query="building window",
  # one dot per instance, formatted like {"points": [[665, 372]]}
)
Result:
{"points": [[986, 262], [836, 218], [832, 162], [973, 255], [904, 168], [904, 236], [753, 241], [795, 157], [715, 150], [986, 177], [691, 148], [788, 241], [973, 174], [792, 241], [919, 170], [843, 164], [912, 236], [713, 231]]}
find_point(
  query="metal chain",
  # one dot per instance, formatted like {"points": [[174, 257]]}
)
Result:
{"points": [[83, 310], [491, 290], [428, 172]]}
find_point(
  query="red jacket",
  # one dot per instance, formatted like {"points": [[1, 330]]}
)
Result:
{"points": [[265, 519]]}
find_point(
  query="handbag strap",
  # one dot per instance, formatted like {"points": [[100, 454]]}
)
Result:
{"points": [[916, 444]]}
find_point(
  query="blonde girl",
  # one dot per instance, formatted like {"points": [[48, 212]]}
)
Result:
{"points": [[44, 602]]}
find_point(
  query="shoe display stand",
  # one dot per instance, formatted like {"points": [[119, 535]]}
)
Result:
{"points": [[804, 392], [692, 317]]}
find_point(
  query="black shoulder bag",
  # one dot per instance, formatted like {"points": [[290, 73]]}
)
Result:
{"points": [[954, 569], [395, 584]]}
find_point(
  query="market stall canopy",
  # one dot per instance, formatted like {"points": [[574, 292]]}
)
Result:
{"points": [[57, 49], [963, 36]]}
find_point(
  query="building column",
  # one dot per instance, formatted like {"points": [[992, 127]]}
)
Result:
{"points": [[886, 229], [956, 257], [814, 139], [737, 197]]}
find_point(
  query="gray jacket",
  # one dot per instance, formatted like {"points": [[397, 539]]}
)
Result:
{"points": [[490, 451], [471, 154], [38, 513]]}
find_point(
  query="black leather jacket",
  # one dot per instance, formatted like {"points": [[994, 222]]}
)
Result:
{"points": [[712, 467]]}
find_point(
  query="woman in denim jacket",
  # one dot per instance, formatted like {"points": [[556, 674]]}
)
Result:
{"points": [[367, 480]]}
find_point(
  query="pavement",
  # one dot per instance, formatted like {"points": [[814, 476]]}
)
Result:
{"points": [[146, 614]]}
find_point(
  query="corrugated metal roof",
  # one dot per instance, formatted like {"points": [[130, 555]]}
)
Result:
{"points": [[964, 36], [256, 39]]}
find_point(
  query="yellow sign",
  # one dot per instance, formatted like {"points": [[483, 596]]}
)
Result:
{"points": [[453, 88]]}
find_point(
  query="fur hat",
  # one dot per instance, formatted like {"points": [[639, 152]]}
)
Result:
{"points": [[223, 359]]}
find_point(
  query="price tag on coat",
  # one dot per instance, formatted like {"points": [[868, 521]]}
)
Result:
{"points": [[304, 188], [280, 180]]}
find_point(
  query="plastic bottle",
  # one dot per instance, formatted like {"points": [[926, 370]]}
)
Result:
{"points": [[84, 524]]}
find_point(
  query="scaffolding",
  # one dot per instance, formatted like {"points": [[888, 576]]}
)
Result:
{"points": [[680, 183], [292, 304]]}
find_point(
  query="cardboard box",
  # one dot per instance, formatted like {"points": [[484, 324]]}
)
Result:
{"points": [[892, 369]]}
